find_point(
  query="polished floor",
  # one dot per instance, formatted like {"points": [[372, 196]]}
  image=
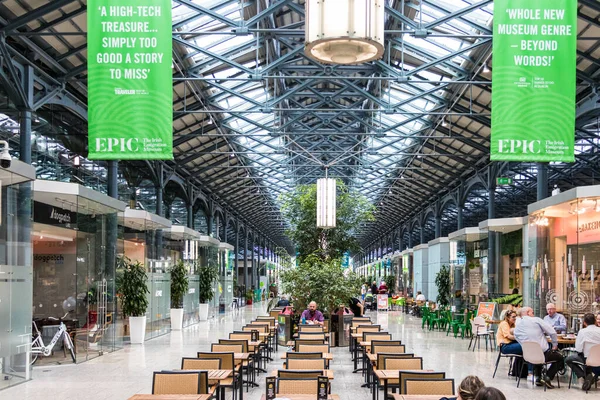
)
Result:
{"points": [[121, 374]]}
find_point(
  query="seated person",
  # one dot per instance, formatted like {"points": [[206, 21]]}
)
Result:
{"points": [[283, 302], [312, 316], [420, 296], [468, 388], [383, 289], [554, 319], [586, 338], [505, 339], [356, 306]]}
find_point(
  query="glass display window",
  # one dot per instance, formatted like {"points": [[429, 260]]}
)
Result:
{"points": [[564, 253], [468, 265]]}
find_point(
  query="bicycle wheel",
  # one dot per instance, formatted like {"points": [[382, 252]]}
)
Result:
{"points": [[69, 344], [34, 358]]}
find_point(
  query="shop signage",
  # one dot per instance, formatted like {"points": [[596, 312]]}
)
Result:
{"points": [[533, 112], [50, 215], [504, 181], [130, 85]]}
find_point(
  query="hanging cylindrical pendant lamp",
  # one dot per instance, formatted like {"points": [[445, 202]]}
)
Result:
{"points": [[326, 196], [344, 31]]}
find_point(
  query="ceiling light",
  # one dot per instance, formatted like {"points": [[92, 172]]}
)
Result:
{"points": [[444, 123], [348, 32], [326, 199], [486, 69], [76, 161]]}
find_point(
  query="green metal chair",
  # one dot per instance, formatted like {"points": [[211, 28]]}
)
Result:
{"points": [[425, 317], [465, 325]]}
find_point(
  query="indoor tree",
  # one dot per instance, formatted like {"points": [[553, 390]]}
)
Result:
{"points": [[442, 281]]}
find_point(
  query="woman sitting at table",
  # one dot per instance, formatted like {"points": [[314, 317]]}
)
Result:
{"points": [[506, 340]]}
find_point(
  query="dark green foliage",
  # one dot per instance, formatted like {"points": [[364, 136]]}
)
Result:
{"points": [[132, 287], [442, 281], [512, 299], [179, 284], [390, 282], [300, 208], [207, 276], [512, 243]]}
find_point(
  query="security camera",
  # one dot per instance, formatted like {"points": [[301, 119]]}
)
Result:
{"points": [[5, 158]]}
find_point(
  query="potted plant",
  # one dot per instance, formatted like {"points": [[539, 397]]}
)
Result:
{"points": [[249, 296], [179, 288], [133, 290], [207, 276]]}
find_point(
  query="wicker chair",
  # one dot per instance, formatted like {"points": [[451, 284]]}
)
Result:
{"points": [[199, 363], [300, 373], [370, 336], [312, 348], [403, 363], [270, 320], [381, 357], [227, 362], [306, 363], [240, 336], [181, 382], [260, 328], [386, 348], [221, 348], [311, 335], [310, 328], [438, 387], [291, 355], [368, 328], [297, 386], [414, 375], [233, 342]]}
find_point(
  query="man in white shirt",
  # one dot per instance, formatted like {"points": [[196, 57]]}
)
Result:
{"points": [[586, 338], [554, 319], [420, 296], [534, 329]]}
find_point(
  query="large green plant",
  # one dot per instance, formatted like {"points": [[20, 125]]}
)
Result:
{"points": [[179, 284], [132, 287], [442, 281], [512, 299], [390, 282], [299, 207], [320, 280], [207, 276]]}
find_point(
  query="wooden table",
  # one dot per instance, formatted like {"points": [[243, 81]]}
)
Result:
{"points": [[303, 397], [170, 397], [327, 356], [241, 357], [326, 372], [386, 374], [219, 374]]}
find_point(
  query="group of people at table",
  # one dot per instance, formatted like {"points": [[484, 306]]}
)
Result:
{"points": [[523, 326]]}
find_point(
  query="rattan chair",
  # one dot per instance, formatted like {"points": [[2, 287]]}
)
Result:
{"points": [[297, 386], [368, 328], [180, 382], [260, 328], [310, 328], [414, 375], [270, 320], [240, 336], [300, 373], [291, 355], [221, 348], [387, 346], [438, 387], [233, 342], [381, 357], [403, 363], [200, 364], [274, 313], [227, 362], [306, 363], [311, 335], [310, 342], [361, 319], [370, 336], [312, 348]]}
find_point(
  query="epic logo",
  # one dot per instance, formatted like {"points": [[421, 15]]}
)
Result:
{"points": [[116, 144], [522, 146]]}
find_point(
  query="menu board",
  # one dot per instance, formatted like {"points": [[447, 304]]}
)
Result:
{"points": [[486, 310], [382, 302]]}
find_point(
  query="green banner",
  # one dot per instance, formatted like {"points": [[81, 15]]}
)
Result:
{"points": [[130, 84], [533, 93]]}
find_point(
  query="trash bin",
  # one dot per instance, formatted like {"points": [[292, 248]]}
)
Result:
{"points": [[341, 322], [284, 331]]}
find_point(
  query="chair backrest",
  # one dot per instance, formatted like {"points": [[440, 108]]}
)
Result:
{"points": [[370, 336], [227, 358], [532, 353], [478, 325], [297, 386], [298, 342], [180, 382], [358, 319], [240, 335], [242, 342], [356, 324], [300, 373], [404, 375], [438, 387], [593, 359], [200, 363], [311, 335], [274, 313], [387, 346], [234, 348], [403, 363], [270, 320], [291, 355], [381, 357], [368, 328], [312, 348], [306, 363], [253, 327], [261, 322], [310, 328]]}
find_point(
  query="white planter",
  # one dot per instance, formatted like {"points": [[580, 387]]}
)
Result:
{"points": [[203, 312], [137, 329], [176, 319]]}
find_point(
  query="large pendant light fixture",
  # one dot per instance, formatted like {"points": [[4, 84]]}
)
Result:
{"points": [[326, 196], [344, 31]]}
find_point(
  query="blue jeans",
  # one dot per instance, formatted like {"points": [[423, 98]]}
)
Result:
{"points": [[511, 348]]}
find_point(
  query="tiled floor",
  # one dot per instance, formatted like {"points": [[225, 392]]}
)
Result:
{"points": [[119, 375]]}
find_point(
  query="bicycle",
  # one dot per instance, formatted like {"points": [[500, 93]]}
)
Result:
{"points": [[38, 348]]}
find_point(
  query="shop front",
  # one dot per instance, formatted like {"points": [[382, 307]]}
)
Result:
{"points": [[75, 243], [406, 278], [226, 265], [421, 269], [208, 256], [438, 256], [563, 257], [16, 273], [143, 242], [468, 265]]}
